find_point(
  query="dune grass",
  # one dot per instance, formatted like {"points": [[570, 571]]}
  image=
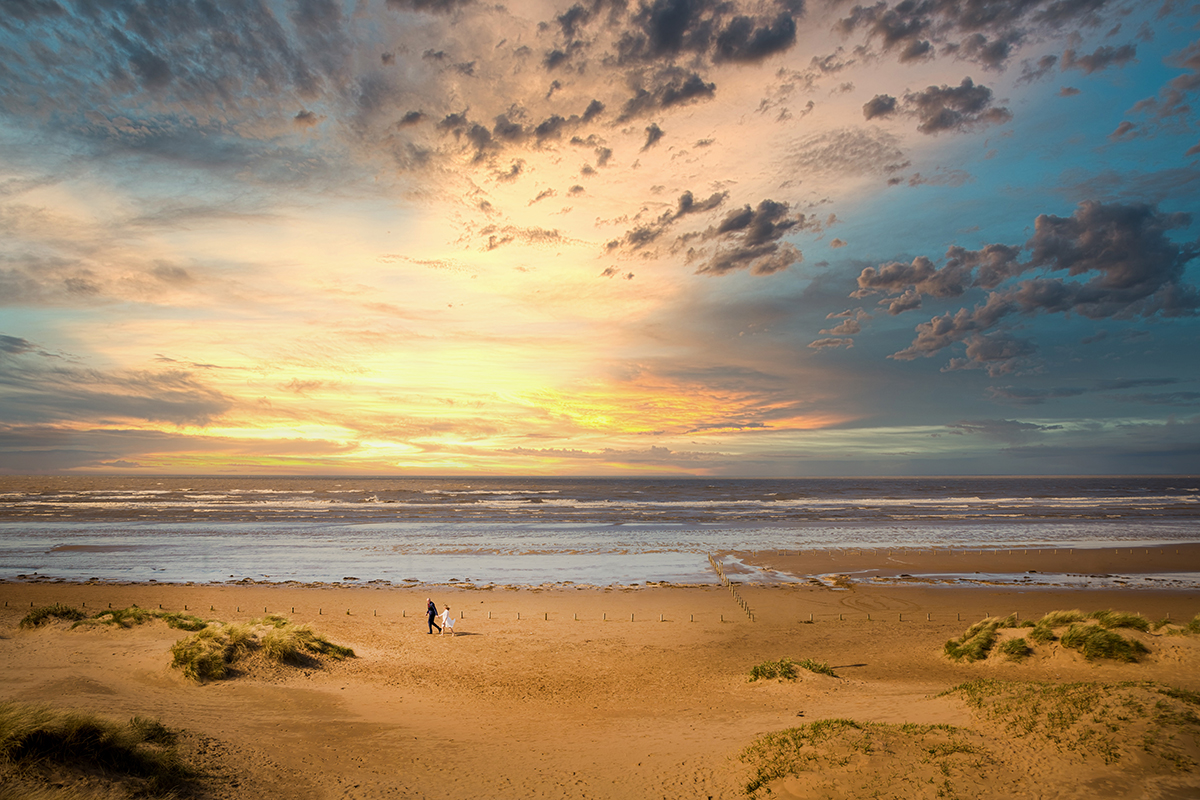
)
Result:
{"points": [[295, 644], [819, 667], [1120, 619], [140, 753], [210, 653], [1094, 641], [978, 639], [45, 614], [134, 615], [1015, 649], [828, 749], [784, 669]]}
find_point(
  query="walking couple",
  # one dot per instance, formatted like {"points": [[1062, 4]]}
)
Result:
{"points": [[432, 615]]}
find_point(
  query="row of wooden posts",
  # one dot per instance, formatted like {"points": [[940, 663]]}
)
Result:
{"points": [[728, 584], [842, 616]]}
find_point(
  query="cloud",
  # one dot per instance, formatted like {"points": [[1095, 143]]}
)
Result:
{"points": [[1009, 431], [881, 105], [1101, 59], [14, 345], [653, 135], [750, 239], [646, 234], [954, 108], [823, 344], [1122, 131], [307, 119], [1118, 260], [38, 389], [1031, 72], [1024, 396], [984, 31]]}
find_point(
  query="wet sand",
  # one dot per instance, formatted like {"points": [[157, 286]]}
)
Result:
{"points": [[584, 692]]}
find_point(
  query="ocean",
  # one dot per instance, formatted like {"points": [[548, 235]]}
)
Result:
{"points": [[523, 531]]}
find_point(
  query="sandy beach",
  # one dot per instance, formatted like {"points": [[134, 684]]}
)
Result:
{"points": [[626, 692]]}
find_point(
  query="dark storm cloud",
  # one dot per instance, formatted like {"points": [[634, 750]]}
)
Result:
{"points": [[1120, 256], [950, 108], [705, 28], [750, 238], [653, 135], [983, 31], [664, 89], [1102, 58], [881, 105], [429, 6]]}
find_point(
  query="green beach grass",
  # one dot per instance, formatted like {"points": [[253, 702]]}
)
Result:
{"points": [[140, 755]]}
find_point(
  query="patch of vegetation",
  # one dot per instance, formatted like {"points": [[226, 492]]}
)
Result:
{"points": [[134, 615], [1042, 634], [929, 752], [1060, 619], [1015, 649], [1093, 719], [210, 653], [1095, 642], [819, 667], [978, 639], [295, 644], [139, 754], [784, 668], [40, 616], [1121, 619]]}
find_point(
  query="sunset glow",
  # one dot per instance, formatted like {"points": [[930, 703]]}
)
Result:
{"points": [[681, 237]]}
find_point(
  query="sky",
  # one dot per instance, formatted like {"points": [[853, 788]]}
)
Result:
{"points": [[718, 238]]}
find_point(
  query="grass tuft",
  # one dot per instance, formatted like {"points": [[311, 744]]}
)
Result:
{"points": [[1060, 619], [978, 639], [819, 667], [1120, 619], [1095, 642], [43, 615], [1015, 649], [784, 669], [205, 655], [295, 644], [142, 749]]}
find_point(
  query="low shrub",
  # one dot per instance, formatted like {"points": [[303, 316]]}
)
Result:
{"points": [[40, 616], [1095, 642]]}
